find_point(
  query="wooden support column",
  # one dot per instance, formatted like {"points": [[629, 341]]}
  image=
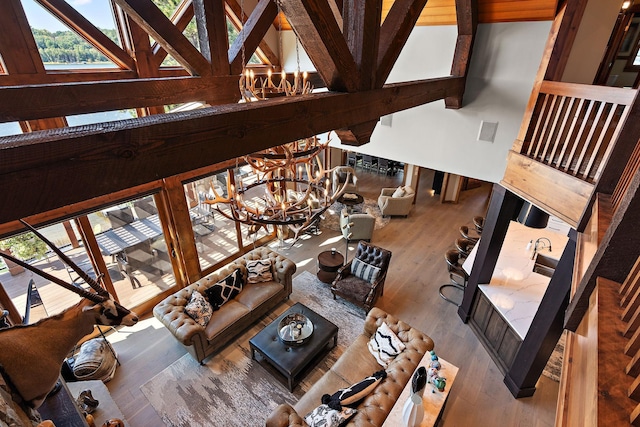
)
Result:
{"points": [[93, 251], [501, 210], [546, 328]]}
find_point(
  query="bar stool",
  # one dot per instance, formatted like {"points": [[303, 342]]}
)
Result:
{"points": [[464, 246], [464, 232], [457, 275], [478, 221]]}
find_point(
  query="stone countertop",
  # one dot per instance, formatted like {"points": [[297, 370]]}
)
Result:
{"points": [[514, 289]]}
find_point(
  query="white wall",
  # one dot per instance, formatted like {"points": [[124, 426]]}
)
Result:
{"points": [[505, 60]]}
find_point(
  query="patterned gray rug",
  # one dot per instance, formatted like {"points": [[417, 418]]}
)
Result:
{"points": [[234, 390], [331, 219]]}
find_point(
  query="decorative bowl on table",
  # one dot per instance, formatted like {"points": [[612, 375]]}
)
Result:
{"points": [[295, 329]]}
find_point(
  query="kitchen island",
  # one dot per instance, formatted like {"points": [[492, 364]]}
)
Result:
{"points": [[505, 307]]}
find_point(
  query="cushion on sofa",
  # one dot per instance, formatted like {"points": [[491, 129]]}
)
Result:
{"points": [[352, 395], [254, 294], [199, 309], [259, 270], [226, 289], [384, 345], [324, 416], [225, 318]]}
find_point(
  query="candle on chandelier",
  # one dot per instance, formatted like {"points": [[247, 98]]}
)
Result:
{"points": [[284, 214]]}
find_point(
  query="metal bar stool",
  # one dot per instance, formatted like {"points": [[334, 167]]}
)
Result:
{"points": [[457, 275], [464, 246], [464, 232]]}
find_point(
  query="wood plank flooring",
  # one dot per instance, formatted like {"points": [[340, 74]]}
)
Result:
{"points": [[418, 243]]}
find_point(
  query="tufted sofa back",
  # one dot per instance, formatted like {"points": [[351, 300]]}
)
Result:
{"points": [[373, 255]]}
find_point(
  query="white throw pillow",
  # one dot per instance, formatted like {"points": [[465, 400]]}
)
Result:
{"points": [[324, 416], [385, 345], [399, 192], [259, 271], [199, 309]]}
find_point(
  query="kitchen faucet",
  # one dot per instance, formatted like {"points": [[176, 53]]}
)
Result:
{"points": [[540, 244]]}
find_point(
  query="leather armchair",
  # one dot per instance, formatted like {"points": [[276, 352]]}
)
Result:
{"points": [[339, 175], [359, 291], [359, 225], [396, 206]]}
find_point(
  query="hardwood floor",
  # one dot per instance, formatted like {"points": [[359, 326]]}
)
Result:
{"points": [[417, 269]]}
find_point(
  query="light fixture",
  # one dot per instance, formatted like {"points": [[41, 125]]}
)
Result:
{"points": [[291, 188], [253, 88], [532, 216]]}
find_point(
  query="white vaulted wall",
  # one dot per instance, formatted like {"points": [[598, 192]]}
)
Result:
{"points": [[505, 60]]}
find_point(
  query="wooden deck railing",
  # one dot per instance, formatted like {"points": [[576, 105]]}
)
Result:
{"points": [[573, 127], [566, 137]]}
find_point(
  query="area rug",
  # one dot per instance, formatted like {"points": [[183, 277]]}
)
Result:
{"points": [[553, 369], [331, 219], [231, 388]]}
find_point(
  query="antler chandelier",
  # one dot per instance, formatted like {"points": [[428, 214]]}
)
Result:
{"points": [[291, 189]]}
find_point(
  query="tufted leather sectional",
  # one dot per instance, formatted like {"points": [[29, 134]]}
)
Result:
{"points": [[236, 315], [357, 363]]}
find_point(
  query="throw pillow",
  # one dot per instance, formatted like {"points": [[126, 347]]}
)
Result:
{"points": [[399, 192], [364, 271], [385, 345], [259, 271], [224, 290], [324, 416], [353, 395], [199, 309]]}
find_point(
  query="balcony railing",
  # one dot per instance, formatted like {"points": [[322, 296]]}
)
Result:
{"points": [[566, 137]]}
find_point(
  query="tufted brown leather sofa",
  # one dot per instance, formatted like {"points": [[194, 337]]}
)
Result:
{"points": [[357, 363], [236, 315]]}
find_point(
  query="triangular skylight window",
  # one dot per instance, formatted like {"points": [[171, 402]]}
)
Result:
{"points": [[62, 48]]}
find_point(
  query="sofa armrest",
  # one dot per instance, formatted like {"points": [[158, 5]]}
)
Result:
{"points": [[170, 312], [285, 416]]}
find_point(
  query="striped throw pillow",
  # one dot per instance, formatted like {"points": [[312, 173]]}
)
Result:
{"points": [[385, 345], [259, 271], [364, 270]]}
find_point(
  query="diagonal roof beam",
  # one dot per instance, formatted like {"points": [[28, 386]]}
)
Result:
{"points": [[394, 33], [146, 14], [181, 17], [252, 34], [234, 12], [315, 25], [81, 25], [140, 151]]}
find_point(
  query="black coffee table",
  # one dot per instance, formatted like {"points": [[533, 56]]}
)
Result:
{"points": [[351, 202], [291, 363]]}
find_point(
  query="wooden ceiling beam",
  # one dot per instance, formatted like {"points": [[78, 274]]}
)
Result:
{"points": [[147, 15], [139, 151], [234, 12], [17, 46], [181, 17], [34, 102], [321, 37], [467, 13], [212, 33], [394, 33], [361, 26], [251, 34], [83, 27]]}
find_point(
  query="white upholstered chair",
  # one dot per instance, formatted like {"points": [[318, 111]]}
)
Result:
{"points": [[339, 175], [393, 202]]}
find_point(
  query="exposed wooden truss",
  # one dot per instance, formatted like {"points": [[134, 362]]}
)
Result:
{"points": [[353, 54]]}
